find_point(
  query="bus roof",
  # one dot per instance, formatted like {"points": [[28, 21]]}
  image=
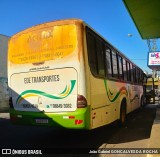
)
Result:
{"points": [[68, 21], [49, 24]]}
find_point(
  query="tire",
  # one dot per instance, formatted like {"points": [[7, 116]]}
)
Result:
{"points": [[122, 119]]}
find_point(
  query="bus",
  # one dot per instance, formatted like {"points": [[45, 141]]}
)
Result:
{"points": [[64, 74]]}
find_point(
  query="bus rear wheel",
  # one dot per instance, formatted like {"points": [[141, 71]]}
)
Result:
{"points": [[122, 119]]}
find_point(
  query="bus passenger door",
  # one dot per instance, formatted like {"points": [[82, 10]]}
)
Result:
{"points": [[149, 91]]}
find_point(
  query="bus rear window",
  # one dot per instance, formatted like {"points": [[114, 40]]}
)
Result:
{"points": [[43, 44]]}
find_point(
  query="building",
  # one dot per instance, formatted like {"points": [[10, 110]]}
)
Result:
{"points": [[4, 95], [3, 55]]}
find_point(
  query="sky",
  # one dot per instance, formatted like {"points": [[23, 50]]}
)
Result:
{"points": [[109, 18]]}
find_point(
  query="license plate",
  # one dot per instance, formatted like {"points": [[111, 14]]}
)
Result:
{"points": [[42, 121]]}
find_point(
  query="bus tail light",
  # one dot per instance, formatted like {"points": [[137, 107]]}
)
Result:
{"points": [[68, 117], [78, 121], [81, 101]]}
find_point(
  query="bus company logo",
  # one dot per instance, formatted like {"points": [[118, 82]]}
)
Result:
{"points": [[34, 41], [38, 36], [34, 37], [46, 34]]}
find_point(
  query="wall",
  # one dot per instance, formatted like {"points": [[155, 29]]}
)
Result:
{"points": [[4, 97]]}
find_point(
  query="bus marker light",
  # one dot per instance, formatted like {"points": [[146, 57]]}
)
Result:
{"points": [[68, 117], [65, 117], [71, 117], [78, 121]]}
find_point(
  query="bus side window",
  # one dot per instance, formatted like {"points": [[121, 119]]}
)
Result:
{"points": [[134, 74], [124, 69], [128, 71], [120, 68], [100, 58], [114, 64], [91, 46], [138, 75], [144, 79], [108, 61]]}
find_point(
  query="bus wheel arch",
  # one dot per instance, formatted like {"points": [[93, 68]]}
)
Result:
{"points": [[123, 112]]}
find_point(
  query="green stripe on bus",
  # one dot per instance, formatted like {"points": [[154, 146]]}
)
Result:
{"points": [[108, 91], [46, 94]]}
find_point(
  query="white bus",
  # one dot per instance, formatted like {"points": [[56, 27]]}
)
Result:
{"points": [[64, 74]]}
